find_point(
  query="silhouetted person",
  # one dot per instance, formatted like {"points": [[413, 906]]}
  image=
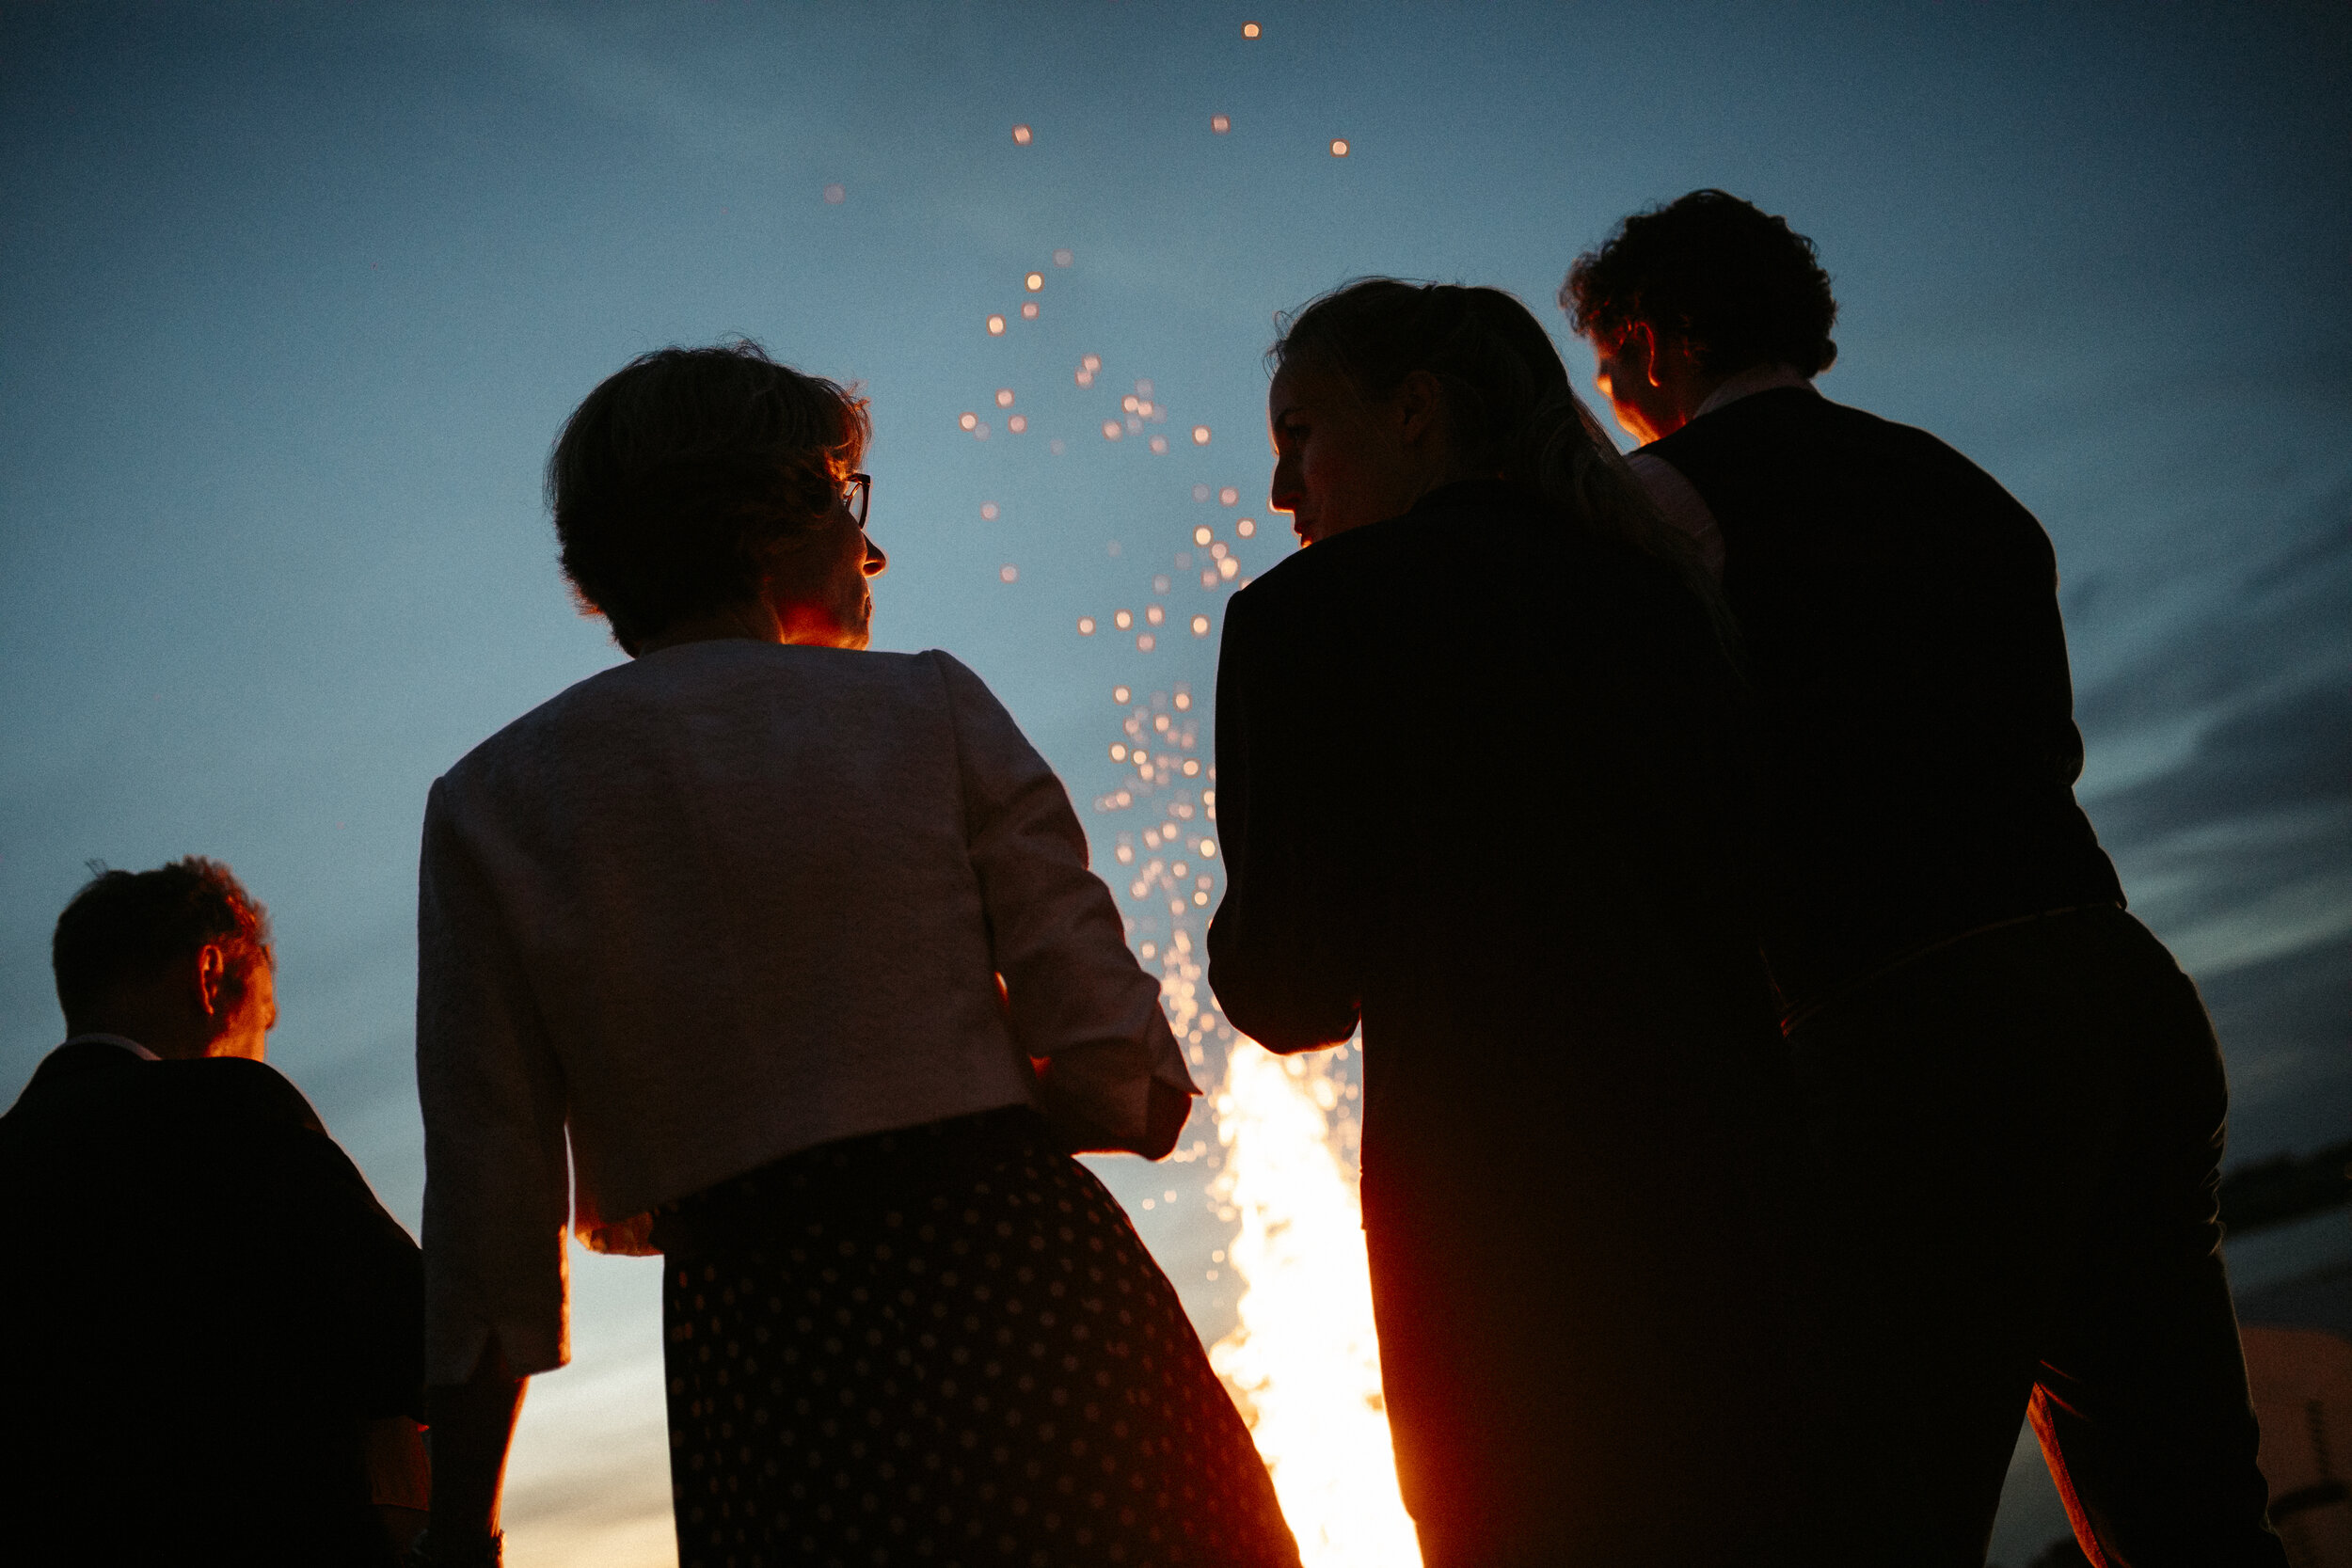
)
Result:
{"points": [[1480, 784], [792, 949], [208, 1319], [2014, 1093]]}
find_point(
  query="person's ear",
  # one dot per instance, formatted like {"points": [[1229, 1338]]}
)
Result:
{"points": [[212, 971], [1644, 340], [1418, 404]]}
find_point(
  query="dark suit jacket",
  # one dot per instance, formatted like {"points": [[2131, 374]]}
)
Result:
{"points": [[1901, 617], [202, 1303], [1481, 782]]}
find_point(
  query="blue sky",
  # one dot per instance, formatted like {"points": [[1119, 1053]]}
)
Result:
{"points": [[295, 297]]}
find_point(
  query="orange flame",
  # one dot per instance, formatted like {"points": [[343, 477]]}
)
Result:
{"points": [[1302, 1361]]}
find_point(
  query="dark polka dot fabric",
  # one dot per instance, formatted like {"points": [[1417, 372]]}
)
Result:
{"points": [[944, 1346]]}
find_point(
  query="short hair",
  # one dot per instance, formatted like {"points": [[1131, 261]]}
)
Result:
{"points": [[127, 925], [673, 481], [1735, 283]]}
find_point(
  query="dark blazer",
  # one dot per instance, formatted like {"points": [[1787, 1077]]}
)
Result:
{"points": [[1901, 618], [1481, 783], [202, 1303]]}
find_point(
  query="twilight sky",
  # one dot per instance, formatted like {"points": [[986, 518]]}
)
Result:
{"points": [[295, 296]]}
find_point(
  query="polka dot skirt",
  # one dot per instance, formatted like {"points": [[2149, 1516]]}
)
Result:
{"points": [[945, 1345]]}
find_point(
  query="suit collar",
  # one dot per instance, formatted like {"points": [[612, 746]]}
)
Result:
{"points": [[125, 1042]]}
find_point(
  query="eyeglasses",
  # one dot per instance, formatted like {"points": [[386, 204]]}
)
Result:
{"points": [[857, 495]]}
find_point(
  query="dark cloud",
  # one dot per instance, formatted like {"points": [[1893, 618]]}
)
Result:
{"points": [[2280, 751]]}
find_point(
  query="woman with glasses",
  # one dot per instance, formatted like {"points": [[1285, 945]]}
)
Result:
{"points": [[796, 946]]}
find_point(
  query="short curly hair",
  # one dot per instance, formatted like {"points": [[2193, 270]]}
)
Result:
{"points": [[1735, 283], [673, 481], [126, 925]]}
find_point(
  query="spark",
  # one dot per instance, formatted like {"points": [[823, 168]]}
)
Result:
{"points": [[1201, 535], [967, 421], [1219, 124], [836, 194], [1034, 281], [1029, 310], [1250, 29], [1199, 435], [1008, 574], [1020, 423], [1228, 496], [1021, 135], [1339, 148], [1111, 431], [1246, 527], [1061, 258], [1004, 397], [1159, 443], [1201, 626], [988, 512], [1086, 625], [995, 327]]}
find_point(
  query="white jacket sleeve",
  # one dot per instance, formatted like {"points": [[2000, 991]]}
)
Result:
{"points": [[493, 1096], [1078, 999]]}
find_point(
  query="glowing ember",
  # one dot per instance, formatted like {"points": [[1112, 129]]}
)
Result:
{"points": [[1250, 29], [1246, 527], [1008, 574], [987, 511], [1034, 281], [1199, 435], [995, 327], [1061, 258], [1086, 625], [1021, 135], [1339, 148], [1228, 496], [1219, 124], [1018, 424], [836, 194]]}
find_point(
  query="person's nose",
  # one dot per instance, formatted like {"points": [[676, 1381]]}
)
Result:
{"points": [[876, 561], [1282, 494]]}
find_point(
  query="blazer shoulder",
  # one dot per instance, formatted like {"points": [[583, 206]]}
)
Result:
{"points": [[234, 1089]]}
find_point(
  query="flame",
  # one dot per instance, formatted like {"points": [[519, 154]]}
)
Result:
{"points": [[1302, 1362]]}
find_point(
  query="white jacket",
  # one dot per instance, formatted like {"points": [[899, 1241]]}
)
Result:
{"points": [[718, 904]]}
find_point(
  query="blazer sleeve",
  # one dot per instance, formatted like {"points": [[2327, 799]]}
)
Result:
{"points": [[494, 1100], [1278, 955], [364, 1282], [1076, 998]]}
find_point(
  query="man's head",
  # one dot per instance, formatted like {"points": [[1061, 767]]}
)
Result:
{"points": [[1682, 297], [177, 959], [696, 482]]}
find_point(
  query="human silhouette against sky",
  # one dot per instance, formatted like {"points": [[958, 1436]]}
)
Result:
{"points": [[1479, 785], [2013, 1094]]}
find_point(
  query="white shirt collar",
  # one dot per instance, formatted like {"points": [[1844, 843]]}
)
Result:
{"points": [[1755, 379], [134, 1047]]}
